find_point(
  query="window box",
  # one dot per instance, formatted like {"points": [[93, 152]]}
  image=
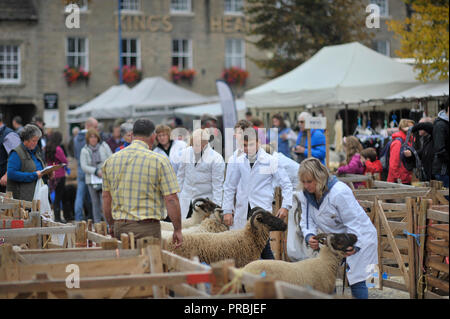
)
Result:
{"points": [[235, 76], [185, 75], [130, 74], [75, 74]]}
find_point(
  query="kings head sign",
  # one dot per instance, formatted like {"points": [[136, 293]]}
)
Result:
{"points": [[316, 123]]}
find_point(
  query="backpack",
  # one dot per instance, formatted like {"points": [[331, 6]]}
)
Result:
{"points": [[385, 155], [414, 161]]}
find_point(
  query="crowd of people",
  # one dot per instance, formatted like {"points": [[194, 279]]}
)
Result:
{"points": [[142, 174]]}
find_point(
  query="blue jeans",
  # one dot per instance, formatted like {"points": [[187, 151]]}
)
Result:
{"points": [[267, 252], [82, 195], [359, 290]]}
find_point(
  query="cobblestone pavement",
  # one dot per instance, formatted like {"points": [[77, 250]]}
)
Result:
{"points": [[374, 293]]}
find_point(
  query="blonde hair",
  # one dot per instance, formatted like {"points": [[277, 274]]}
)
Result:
{"points": [[313, 168], [404, 123], [202, 133], [352, 146], [161, 128]]}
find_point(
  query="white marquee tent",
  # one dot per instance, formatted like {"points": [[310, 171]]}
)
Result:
{"points": [[210, 108], [339, 74], [155, 97], [95, 105], [427, 90]]}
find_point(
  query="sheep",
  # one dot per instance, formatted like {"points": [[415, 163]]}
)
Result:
{"points": [[202, 208], [243, 245], [213, 224], [319, 273]]}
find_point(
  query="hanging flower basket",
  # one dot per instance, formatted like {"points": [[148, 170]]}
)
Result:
{"points": [[74, 74], [186, 74], [235, 76], [130, 74]]}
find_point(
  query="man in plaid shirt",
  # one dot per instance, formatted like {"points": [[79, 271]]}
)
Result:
{"points": [[138, 186]]}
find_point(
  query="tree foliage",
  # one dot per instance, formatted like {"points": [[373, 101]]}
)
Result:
{"points": [[294, 30], [424, 36]]}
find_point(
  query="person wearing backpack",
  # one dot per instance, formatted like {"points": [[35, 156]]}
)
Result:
{"points": [[396, 168], [441, 146]]}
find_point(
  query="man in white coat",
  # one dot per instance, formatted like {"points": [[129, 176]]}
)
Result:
{"points": [[200, 173], [172, 149], [296, 247], [258, 171]]}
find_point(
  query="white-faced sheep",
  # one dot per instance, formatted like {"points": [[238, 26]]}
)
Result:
{"points": [[202, 208], [319, 273], [213, 224], [243, 245]]}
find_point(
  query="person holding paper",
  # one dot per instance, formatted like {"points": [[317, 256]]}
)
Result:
{"points": [[25, 164], [92, 157]]}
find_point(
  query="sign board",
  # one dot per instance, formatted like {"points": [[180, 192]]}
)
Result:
{"points": [[316, 123], [50, 101], [51, 118]]}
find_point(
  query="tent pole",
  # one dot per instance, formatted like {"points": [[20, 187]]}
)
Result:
{"points": [[346, 120]]}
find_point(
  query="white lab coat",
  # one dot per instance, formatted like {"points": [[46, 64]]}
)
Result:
{"points": [[340, 212], [290, 166], [257, 186], [202, 180], [175, 153]]}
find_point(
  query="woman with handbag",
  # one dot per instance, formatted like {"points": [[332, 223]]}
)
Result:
{"points": [[92, 157]]}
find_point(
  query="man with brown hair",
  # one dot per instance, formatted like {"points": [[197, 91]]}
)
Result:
{"points": [[138, 186]]}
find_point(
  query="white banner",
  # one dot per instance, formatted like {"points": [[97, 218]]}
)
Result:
{"points": [[228, 104]]}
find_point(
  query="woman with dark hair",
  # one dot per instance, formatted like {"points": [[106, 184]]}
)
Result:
{"points": [[283, 135], [54, 155]]}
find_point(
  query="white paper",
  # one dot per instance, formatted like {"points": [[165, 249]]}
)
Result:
{"points": [[96, 180]]}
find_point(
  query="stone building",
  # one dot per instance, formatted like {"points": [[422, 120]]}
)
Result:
{"points": [[38, 38]]}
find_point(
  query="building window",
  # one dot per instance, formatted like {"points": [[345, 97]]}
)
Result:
{"points": [[9, 64], [383, 47], [131, 55], [180, 6], [235, 53], [182, 53], [77, 53], [383, 5], [233, 6], [82, 4], [131, 5]]}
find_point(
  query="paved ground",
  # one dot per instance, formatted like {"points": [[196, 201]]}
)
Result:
{"points": [[374, 293]]}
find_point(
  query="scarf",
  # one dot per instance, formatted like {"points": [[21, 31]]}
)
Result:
{"points": [[96, 157]]}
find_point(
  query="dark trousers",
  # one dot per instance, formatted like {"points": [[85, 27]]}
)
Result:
{"points": [[59, 187]]}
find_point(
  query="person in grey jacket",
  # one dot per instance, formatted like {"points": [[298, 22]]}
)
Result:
{"points": [[92, 157]]}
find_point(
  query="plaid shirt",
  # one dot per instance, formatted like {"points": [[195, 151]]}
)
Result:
{"points": [[137, 179]]}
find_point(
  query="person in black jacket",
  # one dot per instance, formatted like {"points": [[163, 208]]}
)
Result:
{"points": [[423, 131], [441, 145]]}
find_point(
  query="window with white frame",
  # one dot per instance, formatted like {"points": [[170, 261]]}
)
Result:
{"points": [[9, 63], [234, 6], [131, 5], [77, 53], [182, 53], [180, 6], [131, 52], [235, 53], [82, 4], [383, 5], [383, 47]]}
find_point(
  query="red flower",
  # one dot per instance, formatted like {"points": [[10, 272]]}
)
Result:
{"points": [[130, 74], [235, 75]]}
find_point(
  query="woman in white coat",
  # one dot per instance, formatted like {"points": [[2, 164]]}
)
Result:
{"points": [[172, 149], [200, 173], [330, 205]]}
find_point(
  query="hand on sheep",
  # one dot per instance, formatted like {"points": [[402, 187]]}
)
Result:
{"points": [[350, 251], [282, 213], [228, 219], [313, 243], [177, 238]]}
